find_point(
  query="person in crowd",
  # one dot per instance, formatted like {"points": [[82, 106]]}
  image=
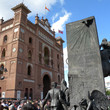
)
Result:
{"points": [[1, 106], [12, 106], [3, 103], [47, 106], [28, 106], [21, 104]]}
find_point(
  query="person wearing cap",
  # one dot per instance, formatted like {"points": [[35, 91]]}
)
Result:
{"points": [[21, 105]]}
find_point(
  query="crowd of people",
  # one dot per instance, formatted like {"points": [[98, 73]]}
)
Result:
{"points": [[56, 99], [23, 105]]}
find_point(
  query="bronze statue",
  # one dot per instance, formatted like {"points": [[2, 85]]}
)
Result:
{"points": [[98, 101], [53, 95], [64, 93], [105, 56]]}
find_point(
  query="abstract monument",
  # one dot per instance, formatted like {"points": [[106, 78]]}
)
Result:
{"points": [[84, 60]]}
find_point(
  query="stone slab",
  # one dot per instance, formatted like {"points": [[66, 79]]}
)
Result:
{"points": [[85, 67]]}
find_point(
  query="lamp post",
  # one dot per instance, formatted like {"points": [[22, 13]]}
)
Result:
{"points": [[2, 69]]}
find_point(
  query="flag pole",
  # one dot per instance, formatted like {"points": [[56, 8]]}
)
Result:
{"points": [[45, 12], [22, 1]]}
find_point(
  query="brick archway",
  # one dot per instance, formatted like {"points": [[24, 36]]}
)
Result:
{"points": [[46, 85]]}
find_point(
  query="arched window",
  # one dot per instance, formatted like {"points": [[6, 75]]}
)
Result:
{"points": [[30, 40], [29, 54], [5, 38], [29, 70], [46, 56], [31, 94], [57, 56], [1, 68], [58, 79], [3, 53], [26, 93]]}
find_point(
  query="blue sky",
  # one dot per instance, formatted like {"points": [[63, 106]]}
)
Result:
{"points": [[63, 12]]}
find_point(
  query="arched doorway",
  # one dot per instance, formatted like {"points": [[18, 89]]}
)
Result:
{"points": [[46, 85]]}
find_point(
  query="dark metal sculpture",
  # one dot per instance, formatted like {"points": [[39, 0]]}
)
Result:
{"points": [[83, 104], [60, 99], [54, 96], [64, 95], [105, 56], [98, 101]]}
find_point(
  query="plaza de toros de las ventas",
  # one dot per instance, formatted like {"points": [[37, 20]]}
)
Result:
{"points": [[31, 54]]}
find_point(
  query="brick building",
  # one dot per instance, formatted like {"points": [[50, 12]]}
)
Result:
{"points": [[32, 55]]}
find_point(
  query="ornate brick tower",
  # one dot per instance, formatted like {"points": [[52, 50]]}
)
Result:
{"points": [[31, 54]]}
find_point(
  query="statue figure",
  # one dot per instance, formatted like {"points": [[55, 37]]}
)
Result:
{"points": [[83, 104], [53, 95], [105, 56], [64, 95], [98, 101]]}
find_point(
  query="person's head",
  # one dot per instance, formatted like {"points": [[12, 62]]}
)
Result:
{"points": [[63, 82], [48, 102], [22, 102], [3, 101], [28, 106], [63, 85], [54, 84], [104, 43]]}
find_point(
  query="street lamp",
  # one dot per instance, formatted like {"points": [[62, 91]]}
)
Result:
{"points": [[2, 69]]}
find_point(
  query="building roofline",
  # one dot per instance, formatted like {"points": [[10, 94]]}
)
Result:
{"points": [[21, 5]]}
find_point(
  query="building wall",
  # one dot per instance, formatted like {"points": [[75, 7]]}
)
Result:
{"points": [[17, 61]]}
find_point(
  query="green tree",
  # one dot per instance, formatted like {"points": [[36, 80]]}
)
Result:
{"points": [[107, 92]]}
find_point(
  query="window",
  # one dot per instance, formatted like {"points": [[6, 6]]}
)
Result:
{"points": [[46, 56], [58, 66], [29, 54], [26, 93], [3, 53], [29, 70], [57, 56], [58, 79], [31, 94], [5, 38], [30, 40], [40, 58]]}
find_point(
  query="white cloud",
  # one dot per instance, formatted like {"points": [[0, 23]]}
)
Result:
{"points": [[54, 17], [59, 25], [36, 6], [65, 63], [65, 58], [62, 2]]}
